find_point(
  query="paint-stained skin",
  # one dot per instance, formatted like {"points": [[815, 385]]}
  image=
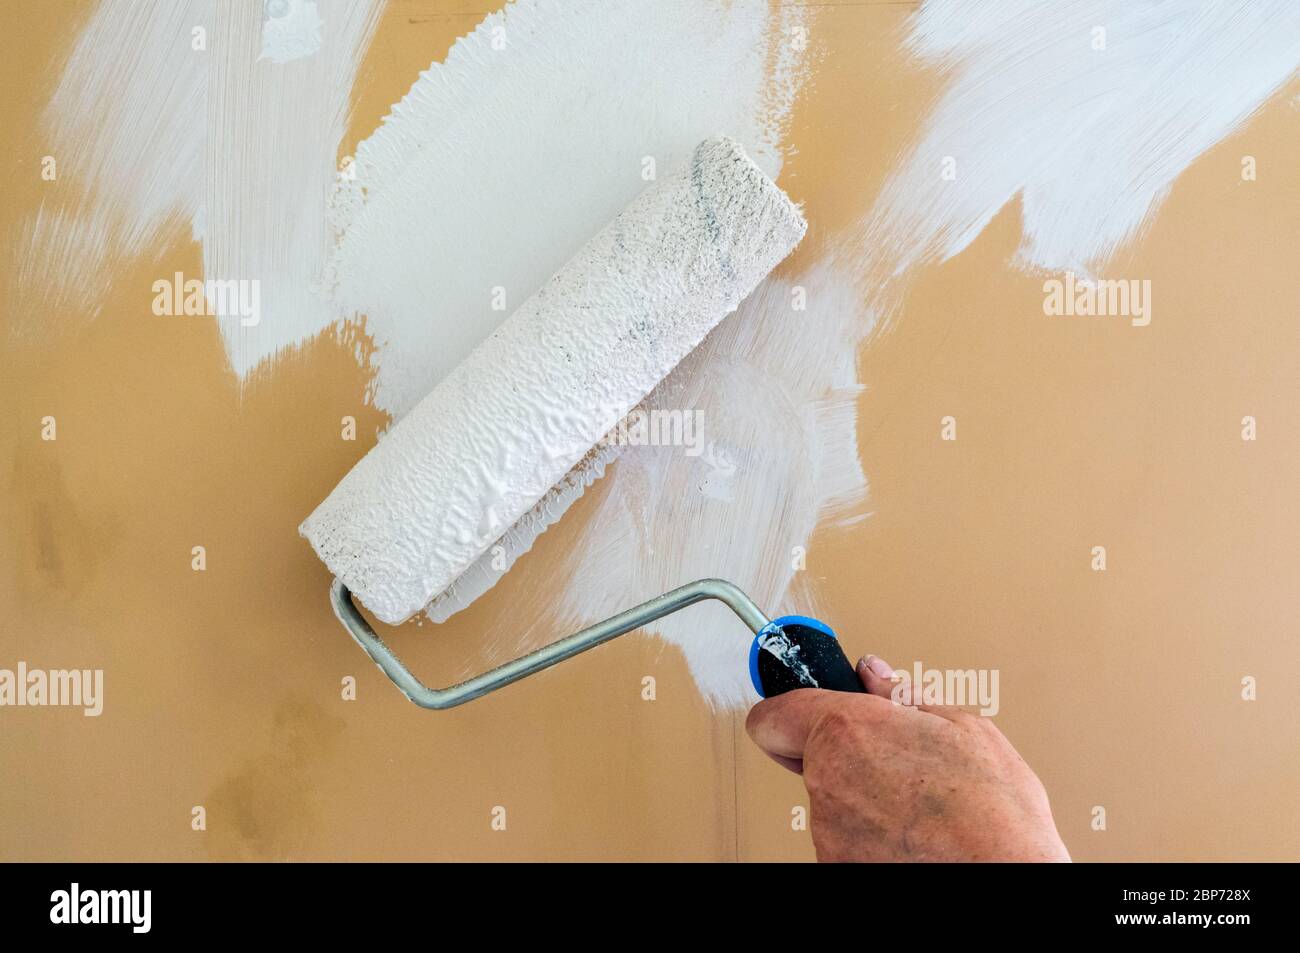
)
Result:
{"points": [[881, 800]]}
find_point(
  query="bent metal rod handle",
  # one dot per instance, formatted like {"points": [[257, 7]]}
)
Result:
{"points": [[588, 638]]}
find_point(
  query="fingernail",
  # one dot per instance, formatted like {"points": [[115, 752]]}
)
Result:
{"points": [[879, 666]]}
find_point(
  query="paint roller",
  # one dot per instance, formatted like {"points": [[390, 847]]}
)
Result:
{"points": [[526, 408]]}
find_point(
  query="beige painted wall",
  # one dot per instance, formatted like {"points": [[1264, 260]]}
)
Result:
{"points": [[1121, 688]]}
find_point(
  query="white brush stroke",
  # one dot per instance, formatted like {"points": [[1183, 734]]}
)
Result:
{"points": [[503, 160], [126, 124], [156, 139], [273, 132], [291, 30], [1091, 140]]}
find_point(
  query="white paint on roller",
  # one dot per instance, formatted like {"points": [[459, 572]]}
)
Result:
{"points": [[529, 403], [502, 161], [486, 571], [1088, 111]]}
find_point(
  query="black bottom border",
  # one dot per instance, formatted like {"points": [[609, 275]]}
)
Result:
{"points": [[379, 901]]}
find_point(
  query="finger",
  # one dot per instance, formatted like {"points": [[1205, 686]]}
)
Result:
{"points": [[910, 695], [876, 675], [905, 693], [790, 764], [879, 678], [780, 725], [958, 716]]}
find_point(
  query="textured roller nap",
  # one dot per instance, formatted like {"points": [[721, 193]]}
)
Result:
{"points": [[533, 399]]}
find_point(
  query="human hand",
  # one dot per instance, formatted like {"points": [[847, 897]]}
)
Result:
{"points": [[889, 781]]}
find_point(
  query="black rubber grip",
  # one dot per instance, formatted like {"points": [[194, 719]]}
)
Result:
{"points": [[816, 655]]}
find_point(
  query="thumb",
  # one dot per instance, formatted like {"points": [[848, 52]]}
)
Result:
{"points": [[781, 725]]}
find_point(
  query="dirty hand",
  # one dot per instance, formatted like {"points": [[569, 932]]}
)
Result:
{"points": [[889, 781]]}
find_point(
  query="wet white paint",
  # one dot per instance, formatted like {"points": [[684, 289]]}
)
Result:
{"points": [[1088, 111], [788, 653], [126, 123], [169, 125], [291, 30], [273, 134], [539, 127]]}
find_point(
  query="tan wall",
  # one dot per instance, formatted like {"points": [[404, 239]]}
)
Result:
{"points": [[1121, 688]]}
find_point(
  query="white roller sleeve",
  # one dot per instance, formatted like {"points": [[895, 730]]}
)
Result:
{"points": [[530, 401]]}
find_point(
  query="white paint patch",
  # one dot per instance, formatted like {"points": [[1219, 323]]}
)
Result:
{"points": [[537, 130], [126, 125], [273, 133], [290, 30], [1089, 111], [166, 121]]}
